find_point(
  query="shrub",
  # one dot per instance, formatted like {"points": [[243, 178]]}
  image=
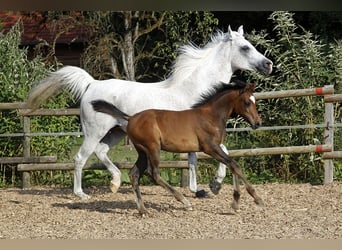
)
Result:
{"points": [[17, 76], [301, 60]]}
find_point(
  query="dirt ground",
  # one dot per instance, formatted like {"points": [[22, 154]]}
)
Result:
{"points": [[291, 211]]}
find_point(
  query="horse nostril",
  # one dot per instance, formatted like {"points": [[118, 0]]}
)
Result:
{"points": [[268, 64], [257, 124]]}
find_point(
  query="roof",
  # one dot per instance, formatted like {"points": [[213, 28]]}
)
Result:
{"points": [[36, 27]]}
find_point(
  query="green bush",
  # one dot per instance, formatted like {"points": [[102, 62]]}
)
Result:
{"points": [[17, 76], [301, 61]]}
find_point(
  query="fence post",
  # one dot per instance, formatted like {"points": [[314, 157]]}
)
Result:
{"points": [[185, 177], [329, 140], [26, 180]]}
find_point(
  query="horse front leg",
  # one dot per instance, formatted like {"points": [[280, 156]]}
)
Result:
{"points": [[236, 170], [217, 153], [216, 184], [192, 161], [237, 173], [237, 193]]}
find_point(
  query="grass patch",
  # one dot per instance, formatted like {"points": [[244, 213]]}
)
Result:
{"points": [[125, 153]]}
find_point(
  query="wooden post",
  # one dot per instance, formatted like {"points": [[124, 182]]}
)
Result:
{"points": [[26, 180], [185, 177], [329, 139]]}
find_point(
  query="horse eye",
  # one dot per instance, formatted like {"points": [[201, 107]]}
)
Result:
{"points": [[247, 103], [245, 48]]}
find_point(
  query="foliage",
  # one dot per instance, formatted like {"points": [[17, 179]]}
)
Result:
{"points": [[152, 37], [119, 41], [301, 61], [17, 76], [180, 28]]}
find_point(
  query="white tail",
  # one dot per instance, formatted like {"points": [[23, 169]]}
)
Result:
{"points": [[73, 78]]}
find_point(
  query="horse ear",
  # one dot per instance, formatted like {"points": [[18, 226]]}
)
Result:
{"points": [[228, 36], [240, 30], [250, 87]]}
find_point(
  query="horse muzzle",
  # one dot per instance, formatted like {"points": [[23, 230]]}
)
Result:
{"points": [[265, 67], [256, 124]]}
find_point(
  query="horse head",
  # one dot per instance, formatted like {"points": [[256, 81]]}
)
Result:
{"points": [[244, 55], [246, 106]]}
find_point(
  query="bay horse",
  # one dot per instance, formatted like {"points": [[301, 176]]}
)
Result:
{"points": [[195, 71], [200, 129]]}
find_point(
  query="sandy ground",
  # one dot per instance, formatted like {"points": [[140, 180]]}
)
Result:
{"points": [[291, 211]]}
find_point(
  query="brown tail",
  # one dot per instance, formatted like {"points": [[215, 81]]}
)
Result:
{"points": [[108, 108]]}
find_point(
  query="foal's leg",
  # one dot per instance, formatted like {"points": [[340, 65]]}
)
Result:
{"points": [[135, 174], [236, 194], [216, 184], [236, 170], [217, 153], [153, 170]]}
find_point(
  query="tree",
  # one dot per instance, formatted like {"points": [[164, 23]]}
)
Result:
{"points": [[127, 44]]}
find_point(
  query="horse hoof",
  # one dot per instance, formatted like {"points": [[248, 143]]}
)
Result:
{"points": [[189, 208], [202, 194], [215, 186], [143, 213], [235, 206], [259, 202], [83, 196], [113, 187]]}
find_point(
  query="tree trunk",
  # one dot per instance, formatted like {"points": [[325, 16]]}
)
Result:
{"points": [[128, 47]]}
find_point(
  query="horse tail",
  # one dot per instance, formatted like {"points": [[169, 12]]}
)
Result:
{"points": [[75, 79], [108, 108]]}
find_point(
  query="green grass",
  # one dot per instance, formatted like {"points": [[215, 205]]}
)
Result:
{"points": [[124, 153]]}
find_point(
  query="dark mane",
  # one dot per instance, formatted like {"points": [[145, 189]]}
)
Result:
{"points": [[218, 91]]}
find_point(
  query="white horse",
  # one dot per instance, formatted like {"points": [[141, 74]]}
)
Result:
{"points": [[196, 71]]}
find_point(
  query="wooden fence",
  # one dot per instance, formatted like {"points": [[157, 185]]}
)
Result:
{"points": [[28, 163]]}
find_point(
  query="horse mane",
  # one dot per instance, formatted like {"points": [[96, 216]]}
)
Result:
{"points": [[218, 91], [191, 56]]}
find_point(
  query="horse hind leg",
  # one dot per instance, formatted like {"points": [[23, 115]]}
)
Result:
{"points": [[153, 170], [80, 159], [111, 138], [135, 174]]}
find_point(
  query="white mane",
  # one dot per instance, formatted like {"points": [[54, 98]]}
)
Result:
{"points": [[191, 57]]}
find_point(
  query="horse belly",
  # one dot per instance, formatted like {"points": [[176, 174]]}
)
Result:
{"points": [[179, 144], [177, 132]]}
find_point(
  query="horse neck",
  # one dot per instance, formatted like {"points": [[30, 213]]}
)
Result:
{"points": [[194, 76], [222, 107]]}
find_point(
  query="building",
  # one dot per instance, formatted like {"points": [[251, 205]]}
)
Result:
{"points": [[42, 32]]}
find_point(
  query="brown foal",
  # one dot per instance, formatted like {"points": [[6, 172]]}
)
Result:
{"points": [[200, 129]]}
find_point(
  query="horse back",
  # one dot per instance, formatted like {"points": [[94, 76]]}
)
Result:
{"points": [[173, 131]]}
